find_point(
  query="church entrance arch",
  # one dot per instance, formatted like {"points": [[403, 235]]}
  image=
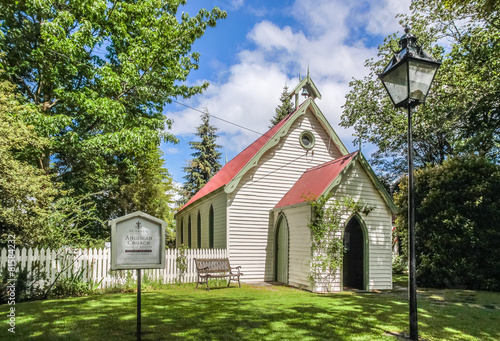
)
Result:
{"points": [[281, 253], [354, 268]]}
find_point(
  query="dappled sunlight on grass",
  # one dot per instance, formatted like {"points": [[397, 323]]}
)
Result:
{"points": [[254, 313]]}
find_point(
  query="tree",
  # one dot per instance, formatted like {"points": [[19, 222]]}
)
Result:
{"points": [[100, 74], [205, 162], [150, 190], [24, 189], [32, 206], [286, 107], [457, 223], [461, 114], [485, 7]]}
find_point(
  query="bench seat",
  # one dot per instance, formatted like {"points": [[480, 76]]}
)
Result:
{"points": [[216, 268]]}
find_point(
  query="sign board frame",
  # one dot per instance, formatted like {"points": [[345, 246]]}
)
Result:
{"points": [[137, 242]]}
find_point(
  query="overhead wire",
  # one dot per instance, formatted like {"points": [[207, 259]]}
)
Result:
{"points": [[221, 119], [242, 127]]}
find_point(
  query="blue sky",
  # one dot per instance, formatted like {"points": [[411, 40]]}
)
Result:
{"points": [[261, 45]]}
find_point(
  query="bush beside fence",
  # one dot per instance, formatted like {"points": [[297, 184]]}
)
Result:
{"points": [[93, 265]]}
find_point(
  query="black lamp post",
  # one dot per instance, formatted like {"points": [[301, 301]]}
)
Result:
{"points": [[408, 78]]}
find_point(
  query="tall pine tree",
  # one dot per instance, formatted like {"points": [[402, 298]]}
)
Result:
{"points": [[205, 162], [285, 108]]}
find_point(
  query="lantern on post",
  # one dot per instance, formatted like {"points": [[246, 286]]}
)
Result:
{"points": [[409, 75], [408, 78]]}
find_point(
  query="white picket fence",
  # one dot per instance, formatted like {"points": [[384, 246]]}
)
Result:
{"points": [[95, 264]]}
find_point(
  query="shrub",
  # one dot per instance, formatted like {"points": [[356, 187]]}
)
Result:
{"points": [[399, 265], [30, 284], [74, 284], [457, 223]]}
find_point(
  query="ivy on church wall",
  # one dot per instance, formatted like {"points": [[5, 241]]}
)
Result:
{"points": [[326, 226]]}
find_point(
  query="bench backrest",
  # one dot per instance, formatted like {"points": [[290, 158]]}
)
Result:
{"points": [[212, 265]]}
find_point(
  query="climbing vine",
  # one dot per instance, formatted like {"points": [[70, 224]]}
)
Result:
{"points": [[181, 261], [326, 226]]}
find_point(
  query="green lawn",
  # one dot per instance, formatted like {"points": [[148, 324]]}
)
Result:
{"points": [[257, 313]]}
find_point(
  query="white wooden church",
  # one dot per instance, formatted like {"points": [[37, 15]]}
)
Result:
{"points": [[256, 206]]}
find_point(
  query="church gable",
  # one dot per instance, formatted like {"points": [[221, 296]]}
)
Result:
{"points": [[316, 122], [304, 144]]}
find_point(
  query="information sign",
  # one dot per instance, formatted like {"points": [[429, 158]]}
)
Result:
{"points": [[137, 242]]}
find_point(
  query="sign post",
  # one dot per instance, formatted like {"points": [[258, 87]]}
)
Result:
{"points": [[137, 242], [139, 305]]}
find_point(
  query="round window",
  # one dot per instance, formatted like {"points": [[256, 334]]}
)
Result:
{"points": [[307, 139]]}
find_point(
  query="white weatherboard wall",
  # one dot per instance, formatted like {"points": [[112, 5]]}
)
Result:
{"points": [[218, 201], [261, 188], [357, 184]]}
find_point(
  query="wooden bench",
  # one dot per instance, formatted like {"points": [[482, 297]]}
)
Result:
{"points": [[216, 268]]}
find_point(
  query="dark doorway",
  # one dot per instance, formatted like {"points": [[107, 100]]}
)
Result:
{"points": [[353, 267]]}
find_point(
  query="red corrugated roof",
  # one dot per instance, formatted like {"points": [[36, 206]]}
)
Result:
{"points": [[315, 181], [229, 171]]}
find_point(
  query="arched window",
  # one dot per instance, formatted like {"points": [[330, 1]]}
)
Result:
{"points": [[182, 231], [211, 227], [189, 231], [198, 230]]}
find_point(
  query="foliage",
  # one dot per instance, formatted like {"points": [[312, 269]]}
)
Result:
{"points": [[181, 261], [461, 113], [32, 206], [74, 285], [205, 162], [124, 282], [24, 190], [150, 283], [484, 7], [286, 107], [399, 265], [149, 188], [326, 226], [68, 222], [457, 223], [99, 74], [29, 284]]}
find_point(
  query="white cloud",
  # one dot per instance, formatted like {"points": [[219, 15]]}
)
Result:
{"points": [[381, 19], [172, 150], [232, 4], [248, 98], [321, 40], [269, 36], [322, 17]]}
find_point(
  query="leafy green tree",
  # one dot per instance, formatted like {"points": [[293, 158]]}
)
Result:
{"points": [[24, 189], [461, 114], [457, 223], [32, 206], [100, 74], [485, 7], [205, 162], [150, 190], [286, 107]]}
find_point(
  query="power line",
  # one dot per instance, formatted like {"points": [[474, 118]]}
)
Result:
{"points": [[222, 119]]}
